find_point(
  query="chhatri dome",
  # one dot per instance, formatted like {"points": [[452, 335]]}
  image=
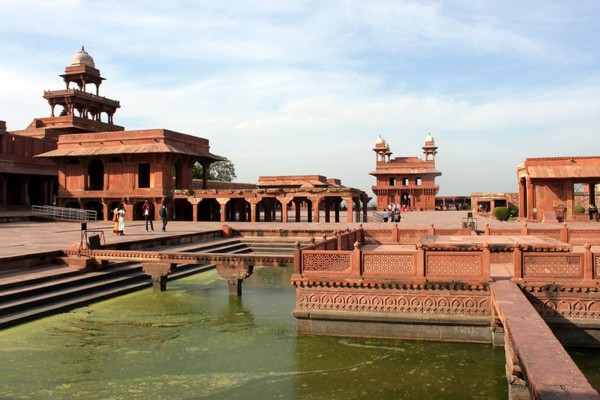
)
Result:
{"points": [[83, 58], [429, 139]]}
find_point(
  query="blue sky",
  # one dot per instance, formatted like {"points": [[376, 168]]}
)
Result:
{"points": [[306, 87]]}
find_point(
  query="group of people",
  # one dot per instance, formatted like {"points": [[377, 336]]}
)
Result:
{"points": [[147, 210], [393, 213]]}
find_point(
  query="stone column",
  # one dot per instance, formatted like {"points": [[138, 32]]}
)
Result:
{"points": [[350, 208], [530, 201], [327, 209], [159, 272], [336, 209], [316, 203], [284, 207], [222, 209], [522, 202], [235, 275], [298, 207]]}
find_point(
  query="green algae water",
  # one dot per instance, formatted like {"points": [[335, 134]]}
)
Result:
{"points": [[195, 342]]}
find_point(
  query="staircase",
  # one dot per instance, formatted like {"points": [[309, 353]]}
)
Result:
{"points": [[40, 296]]}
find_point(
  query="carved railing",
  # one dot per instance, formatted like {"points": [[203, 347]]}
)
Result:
{"points": [[556, 267], [396, 235], [375, 268], [574, 236]]}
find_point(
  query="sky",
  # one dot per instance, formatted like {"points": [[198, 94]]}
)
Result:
{"points": [[306, 87]]}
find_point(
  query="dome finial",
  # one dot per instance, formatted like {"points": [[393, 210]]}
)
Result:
{"points": [[83, 58]]}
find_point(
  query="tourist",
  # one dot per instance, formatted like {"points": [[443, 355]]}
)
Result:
{"points": [[163, 213], [121, 214], [384, 215], [116, 220], [148, 208], [592, 210]]}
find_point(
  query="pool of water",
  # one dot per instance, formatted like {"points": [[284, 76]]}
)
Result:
{"points": [[195, 342]]}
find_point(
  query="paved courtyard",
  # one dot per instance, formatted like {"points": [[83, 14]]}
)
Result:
{"points": [[19, 238]]}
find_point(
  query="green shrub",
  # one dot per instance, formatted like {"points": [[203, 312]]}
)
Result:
{"points": [[501, 213], [579, 209], [514, 212]]}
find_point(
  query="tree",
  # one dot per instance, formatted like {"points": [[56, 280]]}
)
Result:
{"points": [[218, 171]]}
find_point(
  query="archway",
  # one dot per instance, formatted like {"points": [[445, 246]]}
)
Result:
{"points": [[182, 210], [237, 210], [209, 210], [270, 207], [96, 206], [35, 189], [15, 194]]}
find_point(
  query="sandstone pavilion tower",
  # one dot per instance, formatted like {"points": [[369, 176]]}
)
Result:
{"points": [[75, 109], [409, 181]]}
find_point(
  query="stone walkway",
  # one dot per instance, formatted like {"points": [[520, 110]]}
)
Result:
{"points": [[22, 238]]}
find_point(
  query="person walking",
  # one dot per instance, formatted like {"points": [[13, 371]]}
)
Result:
{"points": [[116, 220], [163, 214], [148, 209], [121, 214]]}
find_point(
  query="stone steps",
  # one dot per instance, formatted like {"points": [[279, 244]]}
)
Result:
{"points": [[42, 296]]}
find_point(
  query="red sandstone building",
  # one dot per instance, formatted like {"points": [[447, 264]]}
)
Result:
{"points": [[547, 186], [99, 164], [409, 181]]}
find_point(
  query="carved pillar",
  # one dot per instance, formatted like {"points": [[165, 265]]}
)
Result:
{"points": [[327, 209], [222, 208], [284, 207], [158, 272], [316, 203], [518, 262], [530, 201], [298, 207], [195, 212], [235, 275], [522, 202], [336, 209], [349, 208], [253, 209]]}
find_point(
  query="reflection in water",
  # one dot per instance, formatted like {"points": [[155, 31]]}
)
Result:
{"points": [[194, 341]]}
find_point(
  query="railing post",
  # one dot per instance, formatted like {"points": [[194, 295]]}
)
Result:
{"points": [[338, 236], [356, 267], [420, 261], [485, 259], [361, 234], [395, 234], [297, 259], [487, 229], [588, 262], [431, 230], [518, 261], [564, 234], [525, 229]]}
